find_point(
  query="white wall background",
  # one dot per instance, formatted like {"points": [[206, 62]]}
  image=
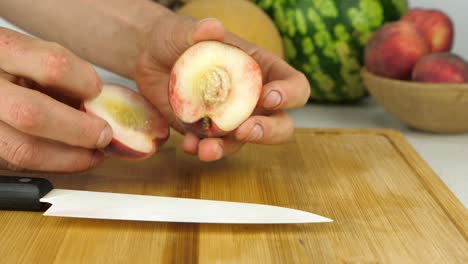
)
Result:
{"points": [[458, 11]]}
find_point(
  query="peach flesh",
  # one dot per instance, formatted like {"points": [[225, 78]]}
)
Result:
{"points": [[138, 128], [213, 88]]}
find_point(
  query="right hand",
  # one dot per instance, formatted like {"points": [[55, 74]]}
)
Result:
{"points": [[41, 127], [269, 124]]}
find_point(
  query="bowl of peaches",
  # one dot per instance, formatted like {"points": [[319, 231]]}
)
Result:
{"points": [[411, 70]]}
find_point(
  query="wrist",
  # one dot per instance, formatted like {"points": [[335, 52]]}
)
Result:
{"points": [[150, 17], [158, 37], [144, 25]]}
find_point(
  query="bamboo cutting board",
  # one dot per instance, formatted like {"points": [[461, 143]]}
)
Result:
{"points": [[388, 207]]}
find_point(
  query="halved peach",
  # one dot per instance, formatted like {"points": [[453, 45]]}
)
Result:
{"points": [[214, 87], [138, 127]]}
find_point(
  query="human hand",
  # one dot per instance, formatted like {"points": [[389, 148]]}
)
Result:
{"points": [[41, 129], [284, 87]]}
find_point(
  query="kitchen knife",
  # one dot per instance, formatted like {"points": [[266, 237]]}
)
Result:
{"points": [[38, 194]]}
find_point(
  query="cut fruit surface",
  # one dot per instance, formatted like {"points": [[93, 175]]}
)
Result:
{"points": [[135, 123], [214, 87]]}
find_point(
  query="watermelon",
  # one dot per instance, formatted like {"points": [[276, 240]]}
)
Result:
{"points": [[325, 39]]}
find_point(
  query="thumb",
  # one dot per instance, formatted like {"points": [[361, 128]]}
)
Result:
{"points": [[206, 29], [172, 36]]}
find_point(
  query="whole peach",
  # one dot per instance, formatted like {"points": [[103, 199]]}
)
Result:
{"points": [[393, 50], [441, 68], [436, 26]]}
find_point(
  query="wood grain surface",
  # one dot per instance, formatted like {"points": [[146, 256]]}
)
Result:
{"points": [[388, 206]]}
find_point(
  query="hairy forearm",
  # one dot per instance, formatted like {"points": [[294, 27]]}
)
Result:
{"points": [[108, 33]]}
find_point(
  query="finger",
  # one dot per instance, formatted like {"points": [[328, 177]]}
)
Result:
{"points": [[288, 93], [74, 102], [21, 81], [273, 67], [274, 129], [175, 34], [5, 75], [22, 151], [213, 149], [37, 114], [285, 86], [206, 29], [48, 64], [190, 144]]}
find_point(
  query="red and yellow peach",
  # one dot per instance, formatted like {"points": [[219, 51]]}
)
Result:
{"points": [[393, 50]]}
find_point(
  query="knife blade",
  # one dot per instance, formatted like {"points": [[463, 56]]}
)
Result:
{"points": [[38, 194]]}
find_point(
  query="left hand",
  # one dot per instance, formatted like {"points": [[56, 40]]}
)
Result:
{"points": [[284, 87]]}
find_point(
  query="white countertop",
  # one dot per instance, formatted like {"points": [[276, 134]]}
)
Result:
{"points": [[446, 154]]}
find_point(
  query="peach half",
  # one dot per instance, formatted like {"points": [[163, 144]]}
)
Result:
{"points": [[138, 127], [213, 88]]}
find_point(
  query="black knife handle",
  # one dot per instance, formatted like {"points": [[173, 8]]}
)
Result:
{"points": [[23, 193]]}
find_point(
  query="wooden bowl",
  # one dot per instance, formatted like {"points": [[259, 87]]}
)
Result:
{"points": [[430, 107]]}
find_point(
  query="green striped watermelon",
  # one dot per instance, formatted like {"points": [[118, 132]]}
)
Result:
{"points": [[325, 40]]}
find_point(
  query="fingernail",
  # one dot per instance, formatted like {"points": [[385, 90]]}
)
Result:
{"points": [[219, 151], [198, 24], [272, 100], [97, 158], [201, 21], [256, 133], [204, 20], [97, 81], [105, 137]]}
